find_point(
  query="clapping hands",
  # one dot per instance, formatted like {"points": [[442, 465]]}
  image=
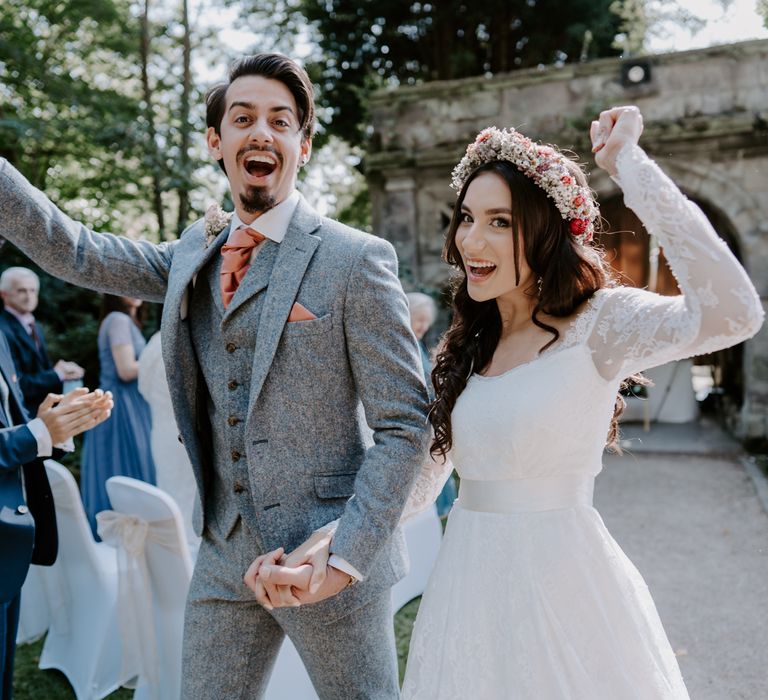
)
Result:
{"points": [[74, 413]]}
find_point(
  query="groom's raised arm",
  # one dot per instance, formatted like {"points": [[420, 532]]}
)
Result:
{"points": [[389, 378], [70, 251]]}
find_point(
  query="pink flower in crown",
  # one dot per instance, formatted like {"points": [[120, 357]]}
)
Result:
{"points": [[484, 135], [216, 220], [566, 180], [578, 200]]}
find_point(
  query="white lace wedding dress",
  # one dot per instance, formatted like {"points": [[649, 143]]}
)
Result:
{"points": [[531, 598]]}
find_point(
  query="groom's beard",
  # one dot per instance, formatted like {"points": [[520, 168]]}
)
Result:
{"points": [[257, 199]]}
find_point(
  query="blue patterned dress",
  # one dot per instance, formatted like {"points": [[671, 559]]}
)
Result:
{"points": [[120, 445]]}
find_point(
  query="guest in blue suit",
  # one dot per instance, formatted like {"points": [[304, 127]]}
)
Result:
{"points": [[27, 517], [38, 376]]}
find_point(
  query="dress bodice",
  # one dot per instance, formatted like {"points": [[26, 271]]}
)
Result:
{"points": [[545, 417]]}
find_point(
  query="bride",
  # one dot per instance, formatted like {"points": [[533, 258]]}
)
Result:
{"points": [[531, 598]]}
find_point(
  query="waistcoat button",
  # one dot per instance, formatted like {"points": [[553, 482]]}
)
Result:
{"points": [[236, 456], [231, 347], [233, 420], [232, 385], [238, 487]]}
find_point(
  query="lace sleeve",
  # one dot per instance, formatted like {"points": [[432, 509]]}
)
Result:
{"points": [[719, 307], [429, 482]]}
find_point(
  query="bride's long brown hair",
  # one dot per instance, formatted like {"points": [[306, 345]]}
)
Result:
{"points": [[570, 274]]}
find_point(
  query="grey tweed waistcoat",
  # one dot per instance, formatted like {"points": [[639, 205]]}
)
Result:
{"points": [[224, 343]]}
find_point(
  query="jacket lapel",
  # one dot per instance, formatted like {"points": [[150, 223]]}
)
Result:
{"points": [[5, 420], [293, 257], [21, 333], [181, 365]]}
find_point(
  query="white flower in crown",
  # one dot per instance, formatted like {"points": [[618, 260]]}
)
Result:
{"points": [[216, 220], [546, 166]]}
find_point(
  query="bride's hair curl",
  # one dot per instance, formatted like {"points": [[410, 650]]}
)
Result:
{"points": [[570, 272]]}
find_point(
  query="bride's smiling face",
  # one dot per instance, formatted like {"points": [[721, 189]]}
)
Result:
{"points": [[486, 242]]}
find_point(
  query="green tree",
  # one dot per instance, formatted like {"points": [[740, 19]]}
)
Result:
{"points": [[69, 108], [73, 119], [365, 44]]}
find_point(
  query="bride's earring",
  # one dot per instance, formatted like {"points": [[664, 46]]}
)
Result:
{"points": [[539, 285]]}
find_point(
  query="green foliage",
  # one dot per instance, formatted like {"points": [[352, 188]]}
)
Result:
{"points": [[366, 44], [358, 212], [73, 113], [762, 10], [404, 620], [69, 113]]}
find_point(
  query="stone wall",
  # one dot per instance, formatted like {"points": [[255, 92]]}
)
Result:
{"points": [[706, 124]]}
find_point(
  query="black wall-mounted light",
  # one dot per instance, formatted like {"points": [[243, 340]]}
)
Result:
{"points": [[634, 73]]}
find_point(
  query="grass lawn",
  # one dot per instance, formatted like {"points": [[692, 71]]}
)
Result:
{"points": [[30, 683]]}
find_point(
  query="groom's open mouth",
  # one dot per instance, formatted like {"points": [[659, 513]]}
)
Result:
{"points": [[260, 165]]}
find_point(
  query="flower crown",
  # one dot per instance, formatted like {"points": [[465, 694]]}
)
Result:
{"points": [[546, 166]]}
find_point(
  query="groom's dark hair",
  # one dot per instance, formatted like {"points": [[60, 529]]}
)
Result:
{"points": [[269, 65]]}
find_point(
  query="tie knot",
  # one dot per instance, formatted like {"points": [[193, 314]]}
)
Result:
{"points": [[244, 237]]}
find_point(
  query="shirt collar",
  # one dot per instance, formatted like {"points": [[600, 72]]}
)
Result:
{"points": [[25, 320], [273, 223]]}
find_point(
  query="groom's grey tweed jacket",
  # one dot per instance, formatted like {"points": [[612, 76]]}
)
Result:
{"points": [[268, 409]]}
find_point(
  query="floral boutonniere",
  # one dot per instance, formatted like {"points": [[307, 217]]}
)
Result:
{"points": [[216, 220]]}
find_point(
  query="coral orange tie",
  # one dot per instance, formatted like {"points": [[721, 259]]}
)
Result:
{"points": [[236, 254]]}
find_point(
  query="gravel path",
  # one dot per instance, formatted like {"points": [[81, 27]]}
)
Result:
{"points": [[697, 531]]}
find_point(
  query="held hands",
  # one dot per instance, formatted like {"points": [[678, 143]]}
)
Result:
{"points": [[74, 413], [303, 576], [611, 131]]}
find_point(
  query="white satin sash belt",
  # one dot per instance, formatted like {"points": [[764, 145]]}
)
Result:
{"points": [[129, 535], [526, 495]]}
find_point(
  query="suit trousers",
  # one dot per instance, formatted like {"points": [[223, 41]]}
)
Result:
{"points": [[9, 624], [231, 642]]}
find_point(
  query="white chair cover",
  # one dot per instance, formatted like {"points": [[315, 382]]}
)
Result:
{"points": [[128, 535], [154, 570], [34, 614], [83, 640]]}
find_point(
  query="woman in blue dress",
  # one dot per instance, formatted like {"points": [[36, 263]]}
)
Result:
{"points": [[120, 446]]}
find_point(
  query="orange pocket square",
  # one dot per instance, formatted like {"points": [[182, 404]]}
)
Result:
{"points": [[300, 313]]}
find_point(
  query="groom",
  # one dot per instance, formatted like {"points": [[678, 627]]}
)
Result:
{"points": [[276, 325]]}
